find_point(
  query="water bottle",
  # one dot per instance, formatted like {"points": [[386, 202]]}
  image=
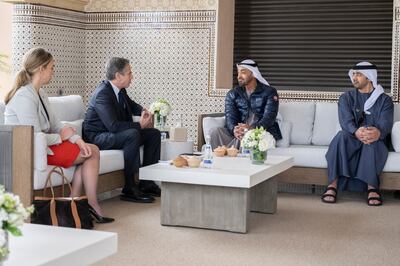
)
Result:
{"points": [[244, 151], [208, 153]]}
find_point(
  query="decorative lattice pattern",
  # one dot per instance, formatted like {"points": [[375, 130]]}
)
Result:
{"points": [[172, 54], [53, 29]]}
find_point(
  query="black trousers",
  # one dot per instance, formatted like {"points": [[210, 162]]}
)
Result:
{"points": [[130, 141]]}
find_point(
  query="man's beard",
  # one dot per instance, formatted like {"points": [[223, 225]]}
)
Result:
{"points": [[359, 86], [243, 82], [356, 85]]}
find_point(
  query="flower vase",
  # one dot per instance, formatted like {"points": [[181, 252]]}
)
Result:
{"points": [[159, 121], [257, 156], [3, 246], [163, 121]]}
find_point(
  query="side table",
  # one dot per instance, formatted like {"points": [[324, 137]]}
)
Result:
{"points": [[61, 246], [171, 149]]}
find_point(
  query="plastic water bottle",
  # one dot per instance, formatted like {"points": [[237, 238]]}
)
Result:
{"points": [[244, 151], [208, 155]]}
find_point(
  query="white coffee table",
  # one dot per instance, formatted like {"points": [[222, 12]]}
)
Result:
{"points": [[220, 197], [51, 245]]}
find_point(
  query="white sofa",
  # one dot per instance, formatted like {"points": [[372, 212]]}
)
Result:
{"points": [[70, 110], [307, 129]]}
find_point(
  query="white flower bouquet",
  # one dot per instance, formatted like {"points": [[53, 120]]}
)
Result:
{"points": [[258, 141], [12, 215], [161, 107]]}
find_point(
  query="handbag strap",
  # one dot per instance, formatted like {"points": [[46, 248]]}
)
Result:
{"points": [[74, 211], [75, 214], [58, 170], [48, 181], [64, 181], [53, 215]]}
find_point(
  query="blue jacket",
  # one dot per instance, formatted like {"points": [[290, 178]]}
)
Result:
{"points": [[105, 114], [263, 102]]}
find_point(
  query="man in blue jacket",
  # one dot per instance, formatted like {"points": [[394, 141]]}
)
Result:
{"points": [[108, 124], [251, 104]]}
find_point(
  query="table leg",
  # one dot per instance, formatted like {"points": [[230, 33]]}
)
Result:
{"points": [[263, 197], [211, 207]]}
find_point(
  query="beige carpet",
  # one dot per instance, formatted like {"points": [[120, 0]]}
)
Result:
{"points": [[304, 231]]}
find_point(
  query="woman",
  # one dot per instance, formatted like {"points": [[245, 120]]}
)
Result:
{"points": [[27, 104]]}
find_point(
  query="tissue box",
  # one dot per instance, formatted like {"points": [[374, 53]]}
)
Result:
{"points": [[178, 134]]}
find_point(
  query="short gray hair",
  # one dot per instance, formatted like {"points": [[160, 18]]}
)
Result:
{"points": [[114, 65]]}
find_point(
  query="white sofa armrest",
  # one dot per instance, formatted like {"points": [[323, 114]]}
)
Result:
{"points": [[40, 151], [396, 136]]}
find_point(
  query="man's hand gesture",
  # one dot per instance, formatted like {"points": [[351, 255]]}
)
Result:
{"points": [[238, 131], [146, 119], [368, 135]]}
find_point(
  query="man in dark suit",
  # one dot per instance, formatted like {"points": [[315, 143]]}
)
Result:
{"points": [[108, 124]]}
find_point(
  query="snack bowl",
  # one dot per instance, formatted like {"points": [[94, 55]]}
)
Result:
{"points": [[232, 152], [219, 152], [223, 147], [193, 161]]}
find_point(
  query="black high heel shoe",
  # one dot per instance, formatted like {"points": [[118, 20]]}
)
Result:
{"points": [[98, 218]]}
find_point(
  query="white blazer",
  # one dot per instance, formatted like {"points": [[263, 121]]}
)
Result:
{"points": [[25, 108]]}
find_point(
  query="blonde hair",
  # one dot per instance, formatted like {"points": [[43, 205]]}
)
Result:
{"points": [[32, 61]]}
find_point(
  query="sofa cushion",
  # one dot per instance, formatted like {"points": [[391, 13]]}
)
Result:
{"points": [[212, 122], [40, 151], [325, 123], [77, 124], [396, 136], [72, 103], [286, 128], [392, 162], [111, 160], [304, 155], [301, 115]]}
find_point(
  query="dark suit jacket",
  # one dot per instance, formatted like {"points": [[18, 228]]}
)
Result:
{"points": [[105, 114]]}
